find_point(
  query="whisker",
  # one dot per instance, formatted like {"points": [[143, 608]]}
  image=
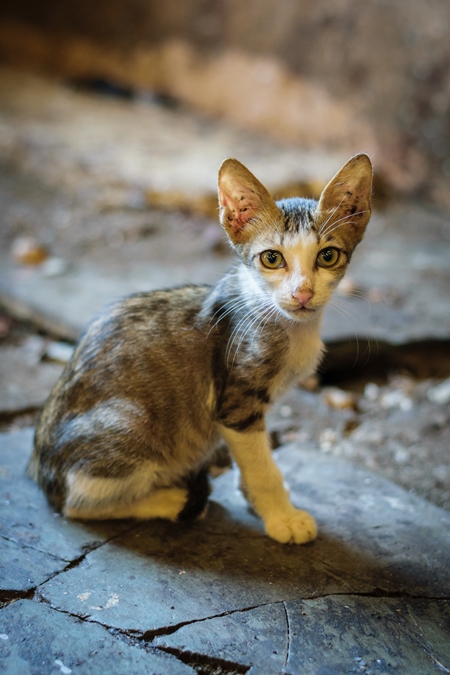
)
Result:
{"points": [[330, 216], [340, 222], [349, 312], [250, 316], [245, 325], [230, 307]]}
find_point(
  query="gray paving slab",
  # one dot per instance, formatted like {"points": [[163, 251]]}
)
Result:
{"points": [[219, 592], [258, 638], [23, 568], [374, 538], [25, 381], [35, 640], [368, 635], [49, 541], [333, 635], [392, 277]]}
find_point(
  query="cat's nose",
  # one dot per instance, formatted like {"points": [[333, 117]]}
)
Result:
{"points": [[302, 297]]}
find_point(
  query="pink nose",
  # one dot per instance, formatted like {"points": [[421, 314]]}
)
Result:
{"points": [[302, 297]]}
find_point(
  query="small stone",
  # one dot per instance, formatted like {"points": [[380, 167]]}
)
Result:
{"points": [[392, 399], [327, 439], [310, 383], [440, 393], [61, 352], [28, 251], [62, 668], [371, 391], [339, 399], [285, 411]]}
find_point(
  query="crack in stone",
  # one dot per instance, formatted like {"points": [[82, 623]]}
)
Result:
{"points": [[206, 665], [203, 664], [148, 636], [8, 597], [6, 593], [33, 548], [288, 635]]}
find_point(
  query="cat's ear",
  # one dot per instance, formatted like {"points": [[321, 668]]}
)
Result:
{"points": [[243, 201], [346, 199]]}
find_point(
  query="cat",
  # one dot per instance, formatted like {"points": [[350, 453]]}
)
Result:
{"points": [[160, 377]]}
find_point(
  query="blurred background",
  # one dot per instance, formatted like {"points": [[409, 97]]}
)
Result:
{"points": [[114, 118], [339, 75]]}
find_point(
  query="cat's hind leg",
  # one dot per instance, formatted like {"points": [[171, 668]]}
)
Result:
{"points": [[166, 503], [93, 498]]}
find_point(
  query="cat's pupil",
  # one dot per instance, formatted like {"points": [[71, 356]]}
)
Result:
{"points": [[272, 257], [328, 255]]}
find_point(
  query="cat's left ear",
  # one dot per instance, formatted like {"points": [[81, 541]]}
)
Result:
{"points": [[346, 199], [243, 201]]}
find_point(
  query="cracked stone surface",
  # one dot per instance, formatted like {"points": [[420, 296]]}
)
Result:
{"points": [[37, 640], [371, 594], [41, 543]]}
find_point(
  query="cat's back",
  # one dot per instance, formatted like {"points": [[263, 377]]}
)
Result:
{"points": [[137, 350], [147, 321]]}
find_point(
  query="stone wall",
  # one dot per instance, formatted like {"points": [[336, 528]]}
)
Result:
{"points": [[341, 75]]}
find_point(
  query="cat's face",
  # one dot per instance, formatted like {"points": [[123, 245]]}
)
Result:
{"points": [[297, 250]]}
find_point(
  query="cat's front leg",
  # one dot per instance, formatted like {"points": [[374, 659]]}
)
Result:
{"points": [[264, 485]]}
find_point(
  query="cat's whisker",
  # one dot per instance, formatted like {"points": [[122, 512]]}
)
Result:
{"points": [[246, 323], [252, 314], [264, 321], [354, 313], [230, 307], [357, 293], [345, 220], [252, 317], [330, 216]]}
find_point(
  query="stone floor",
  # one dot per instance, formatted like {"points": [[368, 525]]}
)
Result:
{"points": [[371, 595], [365, 447]]}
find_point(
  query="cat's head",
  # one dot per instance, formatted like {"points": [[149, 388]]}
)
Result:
{"points": [[297, 250]]}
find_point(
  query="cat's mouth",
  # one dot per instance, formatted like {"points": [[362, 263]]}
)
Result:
{"points": [[300, 312], [303, 310]]}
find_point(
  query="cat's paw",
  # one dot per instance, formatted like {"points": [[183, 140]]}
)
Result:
{"points": [[292, 527]]}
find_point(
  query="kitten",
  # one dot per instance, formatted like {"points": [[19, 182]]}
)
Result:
{"points": [[160, 378]]}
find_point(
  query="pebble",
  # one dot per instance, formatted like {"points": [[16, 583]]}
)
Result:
{"points": [[440, 393], [28, 251], [327, 439], [62, 668], [61, 352], [285, 411], [339, 399], [371, 391]]}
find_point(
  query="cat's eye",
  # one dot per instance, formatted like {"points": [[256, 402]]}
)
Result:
{"points": [[272, 259], [328, 257]]}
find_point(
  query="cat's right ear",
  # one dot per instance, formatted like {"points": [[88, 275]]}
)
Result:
{"points": [[243, 201]]}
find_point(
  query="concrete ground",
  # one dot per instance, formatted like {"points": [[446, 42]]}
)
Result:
{"points": [[107, 197]]}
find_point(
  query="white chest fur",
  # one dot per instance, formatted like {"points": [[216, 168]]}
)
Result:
{"points": [[303, 357]]}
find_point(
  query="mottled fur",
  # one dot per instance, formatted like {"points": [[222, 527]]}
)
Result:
{"points": [[160, 378]]}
